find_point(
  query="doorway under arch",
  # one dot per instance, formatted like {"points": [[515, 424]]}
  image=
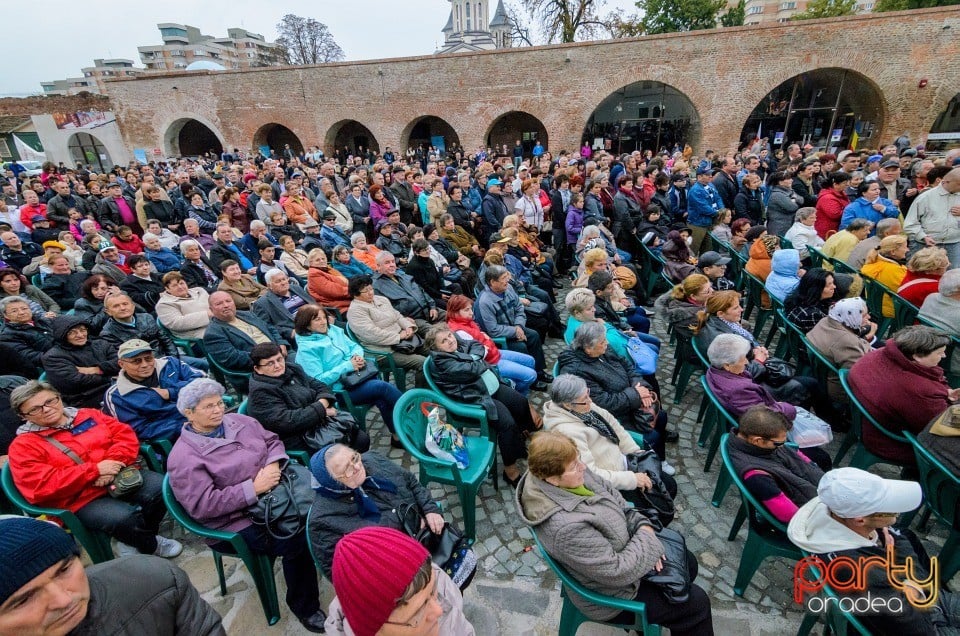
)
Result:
{"points": [[350, 134], [945, 132], [86, 149], [644, 115], [828, 108], [191, 138], [277, 137], [429, 130], [516, 124]]}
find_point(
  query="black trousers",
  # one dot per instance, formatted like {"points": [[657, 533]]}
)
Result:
{"points": [[513, 419]]}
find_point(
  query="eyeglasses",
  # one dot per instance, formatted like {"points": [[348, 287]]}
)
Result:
{"points": [[417, 618], [775, 443], [277, 362], [577, 465], [37, 410], [140, 359], [885, 514], [356, 463], [213, 406]]}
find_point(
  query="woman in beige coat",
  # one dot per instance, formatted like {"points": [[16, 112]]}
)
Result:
{"points": [[181, 309]]}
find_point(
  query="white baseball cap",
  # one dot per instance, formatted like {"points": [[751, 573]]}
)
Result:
{"points": [[851, 492]]}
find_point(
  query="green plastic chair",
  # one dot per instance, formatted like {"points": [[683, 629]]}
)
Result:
{"points": [[238, 380], [904, 313], [96, 543], [654, 271], [155, 452], [737, 261], [260, 566], [862, 458], [793, 344], [816, 256], [411, 425], [785, 243], [837, 621], [384, 361], [953, 379], [472, 415], [190, 346], [571, 617], [766, 536], [941, 493], [684, 367], [874, 293], [755, 290], [720, 423]]}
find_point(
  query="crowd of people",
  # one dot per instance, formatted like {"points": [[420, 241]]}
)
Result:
{"points": [[312, 286]]}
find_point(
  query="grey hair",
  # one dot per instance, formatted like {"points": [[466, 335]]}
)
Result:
{"points": [[886, 227], [356, 236], [588, 334], [223, 224], [271, 274], [950, 283], [148, 236], [87, 223], [197, 391], [579, 299], [189, 243], [339, 249], [566, 388], [494, 272], [383, 256], [258, 224], [727, 348], [191, 222], [26, 391], [6, 301], [858, 224], [589, 232], [333, 451], [804, 213]]}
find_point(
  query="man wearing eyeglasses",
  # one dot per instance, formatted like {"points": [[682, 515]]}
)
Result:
{"points": [[145, 393]]}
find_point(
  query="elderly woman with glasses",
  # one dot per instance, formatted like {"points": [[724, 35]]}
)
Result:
{"points": [[584, 523], [219, 467], [357, 490], [64, 457], [601, 440]]}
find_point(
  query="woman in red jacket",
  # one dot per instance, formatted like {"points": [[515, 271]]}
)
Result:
{"points": [[924, 270], [830, 204], [325, 284], [64, 457], [902, 387]]}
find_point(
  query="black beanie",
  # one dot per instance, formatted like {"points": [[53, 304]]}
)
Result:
{"points": [[27, 548]]}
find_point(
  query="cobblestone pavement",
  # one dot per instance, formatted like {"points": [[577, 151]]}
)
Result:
{"points": [[515, 593]]}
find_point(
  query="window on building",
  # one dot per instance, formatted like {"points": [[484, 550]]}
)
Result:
{"points": [[784, 20], [754, 10], [177, 53], [786, 6]]}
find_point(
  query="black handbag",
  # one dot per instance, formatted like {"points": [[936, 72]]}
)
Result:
{"points": [[655, 503], [341, 429], [409, 345], [353, 379], [673, 579], [776, 372], [282, 511], [450, 550]]}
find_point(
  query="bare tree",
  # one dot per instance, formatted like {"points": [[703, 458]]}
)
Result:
{"points": [[567, 21], [307, 41], [519, 28]]}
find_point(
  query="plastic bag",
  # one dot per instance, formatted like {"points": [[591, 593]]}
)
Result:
{"points": [[443, 441], [809, 430]]}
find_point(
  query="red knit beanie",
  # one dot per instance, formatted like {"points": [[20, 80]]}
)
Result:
{"points": [[371, 569]]}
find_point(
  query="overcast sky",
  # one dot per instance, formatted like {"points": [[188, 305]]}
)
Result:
{"points": [[66, 36]]}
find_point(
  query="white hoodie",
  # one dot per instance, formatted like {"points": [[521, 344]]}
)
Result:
{"points": [[813, 530]]}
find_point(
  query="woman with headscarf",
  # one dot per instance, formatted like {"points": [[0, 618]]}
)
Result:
{"points": [[843, 336], [678, 261]]}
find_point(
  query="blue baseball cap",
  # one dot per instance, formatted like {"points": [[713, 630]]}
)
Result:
{"points": [[494, 182]]}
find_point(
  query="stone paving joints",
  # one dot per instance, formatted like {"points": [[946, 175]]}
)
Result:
{"points": [[514, 592]]}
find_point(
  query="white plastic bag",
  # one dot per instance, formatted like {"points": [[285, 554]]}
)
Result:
{"points": [[809, 430]]}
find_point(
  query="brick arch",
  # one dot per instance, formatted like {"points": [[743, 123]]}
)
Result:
{"points": [[275, 135], [409, 128], [334, 137], [502, 128], [171, 128]]}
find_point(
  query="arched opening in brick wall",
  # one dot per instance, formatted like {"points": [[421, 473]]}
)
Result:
{"points": [[645, 115], [945, 133], [86, 149], [509, 127], [277, 137], [829, 108], [191, 138], [429, 131], [351, 135]]}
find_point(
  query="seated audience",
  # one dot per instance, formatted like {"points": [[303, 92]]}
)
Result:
{"points": [[885, 265], [221, 463], [79, 366], [126, 323], [14, 284], [182, 309], [943, 310], [232, 334], [843, 336], [29, 335], [196, 269], [785, 273], [810, 301], [344, 262], [62, 284], [404, 293], [142, 285], [679, 307], [924, 270], [803, 233], [242, 287], [90, 304], [281, 302], [325, 284]]}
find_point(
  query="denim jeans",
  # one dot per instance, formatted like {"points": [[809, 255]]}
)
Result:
{"points": [[381, 394], [133, 520], [200, 364], [518, 367]]}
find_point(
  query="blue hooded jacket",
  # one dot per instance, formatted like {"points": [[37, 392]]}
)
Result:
{"points": [[783, 277]]}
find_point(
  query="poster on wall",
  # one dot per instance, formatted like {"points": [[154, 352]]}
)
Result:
{"points": [[140, 155], [836, 134], [778, 139], [438, 142], [83, 119]]}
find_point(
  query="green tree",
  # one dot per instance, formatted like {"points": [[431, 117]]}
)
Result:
{"points": [[670, 16], [900, 5], [827, 9], [734, 16]]}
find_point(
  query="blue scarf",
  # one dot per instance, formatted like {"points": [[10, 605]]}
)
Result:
{"points": [[330, 488]]}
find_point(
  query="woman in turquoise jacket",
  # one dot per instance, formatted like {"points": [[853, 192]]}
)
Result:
{"points": [[326, 353]]}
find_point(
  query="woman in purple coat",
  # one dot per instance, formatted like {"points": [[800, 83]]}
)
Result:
{"points": [[218, 468]]}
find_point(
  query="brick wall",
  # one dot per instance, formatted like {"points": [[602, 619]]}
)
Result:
{"points": [[725, 73]]}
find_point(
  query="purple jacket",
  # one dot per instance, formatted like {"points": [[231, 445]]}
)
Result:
{"points": [[574, 224], [212, 477], [737, 393]]}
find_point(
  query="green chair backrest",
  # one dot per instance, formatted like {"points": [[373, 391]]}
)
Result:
{"points": [[457, 412], [941, 487], [182, 517], [755, 509], [785, 243], [816, 256], [904, 312], [756, 289], [724, 416], [242, 409], [860, 411], [874, 292], [697, 349]]}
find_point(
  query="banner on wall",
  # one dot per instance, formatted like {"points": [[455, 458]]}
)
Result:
{"points": [[439, 143], [140, 155], [83, 119], [27, 152]]}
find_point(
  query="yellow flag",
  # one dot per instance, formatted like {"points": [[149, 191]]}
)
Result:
{"points": [[854, 138]]}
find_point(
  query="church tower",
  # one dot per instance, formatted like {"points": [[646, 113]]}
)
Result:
{"points": [[469, 27]]}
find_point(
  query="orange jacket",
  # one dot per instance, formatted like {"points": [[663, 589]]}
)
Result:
{"points": [[299, 209], [328, 287]]}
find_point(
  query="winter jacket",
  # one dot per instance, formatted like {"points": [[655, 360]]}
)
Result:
{"points": [[458, 374], [221, 252], [212, 477], [713, 328], [238, 215], [596, 538], [573, 224], [494, 212], [781, 210], [945, 313], [30, 340], [863, 209], [151, 416], [800, 236], [783, 277], [144, 291], [39, 302], [230, 346], [610, 378], [405, 294], [625, 210], [164, 260], [601, 455], [332, 518], [47, 477], [748, 204], [679, 314], [703, 203], [92, 312], [470, 330], [888, 273], [738, 392], [423, 270], [163, 601], [328, 287], [377, 324], [244, 292], [841, 346], [916, 286], [499, 314], [193, 274], [726, 187], [163, 211], [184, 317], [290, 404], [64, 289], [830, 207], [61, 361], [144, 327], [808, 197], [326, 357], [901, 394], [760, 262]]}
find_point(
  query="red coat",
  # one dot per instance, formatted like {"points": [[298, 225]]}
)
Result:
{"points": [[328, 287], [471, 327], [47, 477], [901, 394], [915, 287], [830, 205]]}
